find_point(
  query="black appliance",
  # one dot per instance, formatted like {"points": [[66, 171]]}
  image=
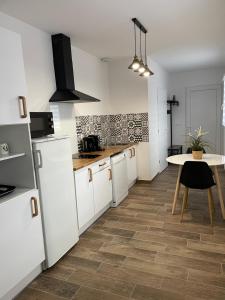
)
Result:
{"points": [[6, 189], [91, 143], [63, 64], [41, 124], [85, 156]]}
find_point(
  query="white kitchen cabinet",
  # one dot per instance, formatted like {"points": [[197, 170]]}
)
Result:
{"points": [[12, 78], [102, 183], [21, 237], [84, 196], [93, 192], [131, 165]]}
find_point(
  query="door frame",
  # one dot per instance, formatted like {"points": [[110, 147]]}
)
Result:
{"points": [[218, 88], [162, 165]]}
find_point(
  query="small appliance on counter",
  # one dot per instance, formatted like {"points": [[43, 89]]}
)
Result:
{"points": [[6, 189], [41, 124], [91, 143]]}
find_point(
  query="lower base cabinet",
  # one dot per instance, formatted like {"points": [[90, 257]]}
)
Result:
{"points": [[102, 184], [93, 192], [84, 196], [21, 238]]}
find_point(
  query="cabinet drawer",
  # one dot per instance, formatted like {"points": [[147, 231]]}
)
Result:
{"points": [[100, 165]]}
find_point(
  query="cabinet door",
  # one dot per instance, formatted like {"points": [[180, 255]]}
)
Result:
{"points": [[12, 78], [21, 239], [102, 184], [134, 164], [84, 196], [131, 165], [129, 156]]}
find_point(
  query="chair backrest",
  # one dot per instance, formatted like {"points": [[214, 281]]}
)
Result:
{"points": [[196, 175]]}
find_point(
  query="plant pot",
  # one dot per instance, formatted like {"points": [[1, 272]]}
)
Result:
{"points": [[197, 154]]}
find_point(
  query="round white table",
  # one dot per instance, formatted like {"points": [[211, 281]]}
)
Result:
{"points": [[213, 160]]}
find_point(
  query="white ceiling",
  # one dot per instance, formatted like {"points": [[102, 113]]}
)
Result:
{"points": [[183, 34]]}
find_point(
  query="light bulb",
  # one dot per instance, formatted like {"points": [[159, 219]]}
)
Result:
{"points": [[135, 66]]}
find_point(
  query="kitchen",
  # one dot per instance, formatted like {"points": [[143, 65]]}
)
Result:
{"points": [[114, 216]]}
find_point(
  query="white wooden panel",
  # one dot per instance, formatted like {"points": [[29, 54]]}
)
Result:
{"points": [[21, 240], [102, 189], [84, 197], [12, 77], [203, 108]]}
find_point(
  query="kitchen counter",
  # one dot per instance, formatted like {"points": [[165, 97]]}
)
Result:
{"points": [[109, 151]]}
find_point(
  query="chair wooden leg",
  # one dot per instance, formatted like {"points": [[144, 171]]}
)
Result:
{"points": [[212, 200], [186, 203], [185, 199], [210, 205]]}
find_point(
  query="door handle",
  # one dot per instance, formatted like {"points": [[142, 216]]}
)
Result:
{"points": [[34, 207], [101, 165], [110, 174], [134, 151], [38, 159], [22, 106], [131, 153], [90, 175]]}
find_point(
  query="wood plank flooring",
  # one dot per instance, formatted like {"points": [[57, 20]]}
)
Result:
{"points": [[140, 251]]}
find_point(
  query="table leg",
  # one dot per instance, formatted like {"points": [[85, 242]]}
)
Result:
{"points": [[176, 190], [219, 190]]}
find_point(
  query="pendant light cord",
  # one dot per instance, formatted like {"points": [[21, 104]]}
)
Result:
{"points": [[135, 43], [140, 45], [145, 51]]}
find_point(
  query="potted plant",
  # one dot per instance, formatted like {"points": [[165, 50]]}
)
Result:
{"points": [[197, 143]]}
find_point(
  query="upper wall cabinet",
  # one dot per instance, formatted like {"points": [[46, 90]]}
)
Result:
{"points": [[13, 106]]}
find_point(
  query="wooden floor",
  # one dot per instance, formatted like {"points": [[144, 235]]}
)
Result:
{"points": [[140, 251]]}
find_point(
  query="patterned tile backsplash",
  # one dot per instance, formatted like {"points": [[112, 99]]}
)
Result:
{"points": [[121, 128]]}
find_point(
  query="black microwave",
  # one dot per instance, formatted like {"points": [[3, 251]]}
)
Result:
{"points": [[41, 124]]}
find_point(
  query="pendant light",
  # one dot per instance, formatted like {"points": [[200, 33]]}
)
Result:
{"points": [[135, 63], [147, 71], [141, 68]]}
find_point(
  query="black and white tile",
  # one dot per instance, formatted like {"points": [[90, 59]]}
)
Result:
{"points": [[120, 128]]}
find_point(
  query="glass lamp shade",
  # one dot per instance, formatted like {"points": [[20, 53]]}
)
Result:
{"points": [[135, 64], [141, 69], [147, 72]]}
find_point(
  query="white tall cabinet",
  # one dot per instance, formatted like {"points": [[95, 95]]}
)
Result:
{"points": [[21, 236], [12, 78]]}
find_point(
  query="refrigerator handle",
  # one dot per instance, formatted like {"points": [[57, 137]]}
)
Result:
{"points": [[38, 159]]}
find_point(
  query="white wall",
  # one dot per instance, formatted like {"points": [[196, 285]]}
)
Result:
{"points": [[91, 77], [160, 80], [179, 81], [128, 91], [129, 94]]}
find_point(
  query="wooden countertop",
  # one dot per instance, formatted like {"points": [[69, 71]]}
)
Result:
{"points": [[79, 163]]}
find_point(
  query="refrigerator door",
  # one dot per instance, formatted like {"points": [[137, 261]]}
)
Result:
{"points": [[56, 184]]}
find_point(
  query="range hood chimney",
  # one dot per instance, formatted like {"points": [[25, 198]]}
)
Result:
{"points": [[63, 64]]}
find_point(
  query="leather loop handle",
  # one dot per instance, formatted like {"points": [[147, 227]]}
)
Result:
{"points": [[110, 174], [23, 106], [34, 207], [90, 175]]}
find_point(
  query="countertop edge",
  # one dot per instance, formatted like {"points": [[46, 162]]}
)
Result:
{"points": [[79, 164]]}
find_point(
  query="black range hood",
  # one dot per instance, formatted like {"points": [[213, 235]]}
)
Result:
{"points": [[63, 64]]}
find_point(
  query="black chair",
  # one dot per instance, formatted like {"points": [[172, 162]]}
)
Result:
{"points": [[189, 150], [197, 175]]}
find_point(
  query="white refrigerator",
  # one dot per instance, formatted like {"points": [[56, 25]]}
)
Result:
{"points": [[54, 175]]}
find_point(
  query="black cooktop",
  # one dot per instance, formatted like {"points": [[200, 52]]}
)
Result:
{"points": [[79, 155]]}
